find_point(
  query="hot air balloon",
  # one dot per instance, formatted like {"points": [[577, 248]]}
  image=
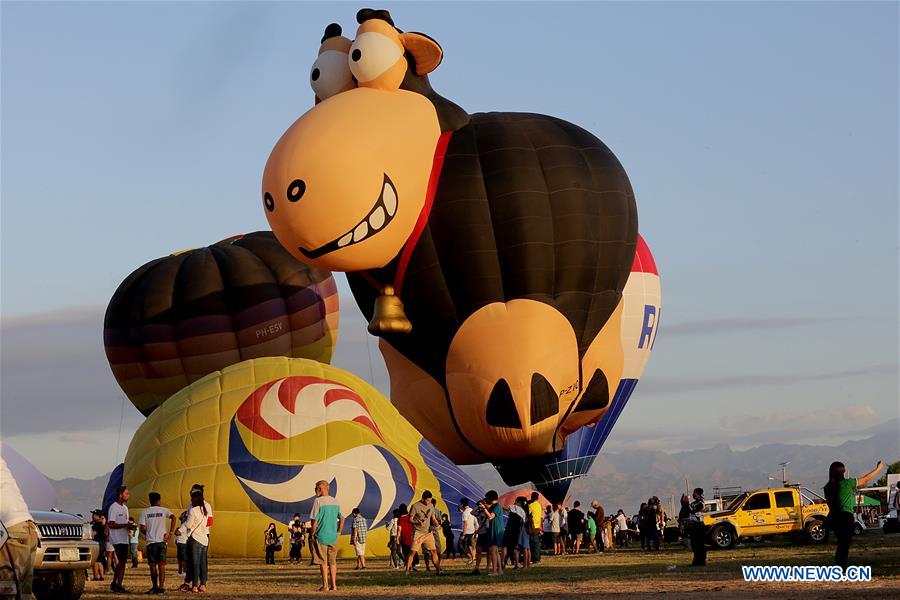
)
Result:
{"points": [[640, 323], [180, 317], [489, 251], [261, 433]]}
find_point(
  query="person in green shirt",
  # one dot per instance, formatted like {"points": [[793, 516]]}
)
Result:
{"points": [[840, 493], [326, 523], [592, 531]]}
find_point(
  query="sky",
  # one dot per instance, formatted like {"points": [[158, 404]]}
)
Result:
{"points": [[761, 140]]}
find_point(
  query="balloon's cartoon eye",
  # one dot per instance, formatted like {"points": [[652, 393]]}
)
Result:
{"points": [[269, 202], [330, 74], [372, 54]]}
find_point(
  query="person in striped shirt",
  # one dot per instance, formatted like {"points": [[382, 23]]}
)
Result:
{"points": [[358, 539]]}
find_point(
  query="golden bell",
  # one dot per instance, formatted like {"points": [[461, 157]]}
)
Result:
{"points": [[389, 316]]}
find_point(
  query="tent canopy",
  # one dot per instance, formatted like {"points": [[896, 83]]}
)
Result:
{"points": [[863, 500]]}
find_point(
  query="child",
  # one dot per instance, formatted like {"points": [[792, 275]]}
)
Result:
{"points": [[591, 532], [133, 534], [181, 542]]}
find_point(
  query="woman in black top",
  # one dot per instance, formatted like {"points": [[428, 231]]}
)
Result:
{"points": [[698, 531], [98, 526], [271, 539], [448, 538]]}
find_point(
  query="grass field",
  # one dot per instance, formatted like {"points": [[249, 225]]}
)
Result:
{"points": [[618, 573]]}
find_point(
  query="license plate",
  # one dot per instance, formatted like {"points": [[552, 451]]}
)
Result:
{"points": [[8, 588], [69, 554]]}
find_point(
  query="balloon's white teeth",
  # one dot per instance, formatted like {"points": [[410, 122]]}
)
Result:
{"points": [[389, 198], [376, 219], [361, 231]]}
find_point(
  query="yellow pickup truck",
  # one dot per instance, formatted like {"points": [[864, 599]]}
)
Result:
{"points": [[792, 510]]}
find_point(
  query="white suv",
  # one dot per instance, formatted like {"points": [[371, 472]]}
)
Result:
{"points": [[65, 551]]}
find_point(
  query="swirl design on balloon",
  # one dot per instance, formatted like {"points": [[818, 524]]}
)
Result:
{"points": [[310, 417]]}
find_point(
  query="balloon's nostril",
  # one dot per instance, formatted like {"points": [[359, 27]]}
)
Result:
{"points": [[501, 408], [596, 393], [296, 189]]}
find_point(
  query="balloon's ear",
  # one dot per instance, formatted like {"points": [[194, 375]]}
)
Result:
{"points": [[426, 52]]}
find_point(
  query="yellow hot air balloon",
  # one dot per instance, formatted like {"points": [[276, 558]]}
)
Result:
{"points": [[260, 433]]}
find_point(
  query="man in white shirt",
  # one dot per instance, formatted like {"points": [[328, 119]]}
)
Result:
{"points": [[394, 543], [556, 520], [23, 539], [117, 521], [157, 523], [469, 526], [622, 524]]}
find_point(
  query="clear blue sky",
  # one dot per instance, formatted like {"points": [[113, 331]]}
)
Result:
{"points": [[761, 140]]}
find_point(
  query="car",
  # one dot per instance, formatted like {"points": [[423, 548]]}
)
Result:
{"points": [[791, 510], [65, 551]]}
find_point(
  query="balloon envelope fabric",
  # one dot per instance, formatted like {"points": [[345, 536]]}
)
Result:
{"points": [[261, 433], [489, 251], [641, 301], [180, 317]]}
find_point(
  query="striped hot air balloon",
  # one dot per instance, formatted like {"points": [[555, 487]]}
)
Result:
{"points": [[640, 320], [261, 433], [180, 317]]}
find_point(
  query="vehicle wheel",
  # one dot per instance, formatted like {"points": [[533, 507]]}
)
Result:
{"points": [[73, 585], [756, 539], [722, 537], [857, 529], [62, 585], [42, 586], [815, 532]]}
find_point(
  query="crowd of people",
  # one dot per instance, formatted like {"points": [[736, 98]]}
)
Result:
{"points": [[117, 534], [419, 535], [500, 538]]}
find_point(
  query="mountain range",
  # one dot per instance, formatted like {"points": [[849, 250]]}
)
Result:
{"points": [[624, 479]]}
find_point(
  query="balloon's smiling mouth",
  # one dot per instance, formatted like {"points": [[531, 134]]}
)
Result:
{"points": [[378, 218]]}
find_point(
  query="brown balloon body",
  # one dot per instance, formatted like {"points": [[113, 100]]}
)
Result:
{"points": [[180, 317]]}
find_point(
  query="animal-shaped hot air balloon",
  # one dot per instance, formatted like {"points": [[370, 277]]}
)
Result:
{"points": [[180, 317], [640, 323], [489, 251], [261, 433]]}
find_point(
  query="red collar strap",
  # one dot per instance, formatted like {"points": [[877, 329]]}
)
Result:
{"points": [[437, 164]]}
